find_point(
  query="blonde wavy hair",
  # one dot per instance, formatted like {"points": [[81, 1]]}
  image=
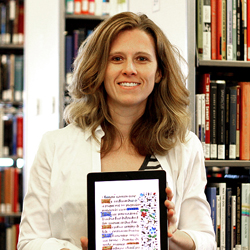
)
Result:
{"points": [[166, 118]]}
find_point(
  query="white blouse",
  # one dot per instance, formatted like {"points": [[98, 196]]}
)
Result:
{"points": [[55, 210]]}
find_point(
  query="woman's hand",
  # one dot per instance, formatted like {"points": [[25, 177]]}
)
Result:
{"points": [[84, 242], [172, 227]]}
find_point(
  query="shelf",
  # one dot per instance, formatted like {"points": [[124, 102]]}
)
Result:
{"points": [[221, 63], [11, 46], [10, 214], [227, 163], [90, 17]]}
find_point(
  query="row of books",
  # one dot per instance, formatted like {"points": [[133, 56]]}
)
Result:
{"points": [[11, 22], [8, 236], [95, 7], [223, 29], [230, 206], [11, 194], [72, 44], [11, 132], [11, 77], [223, 119]]}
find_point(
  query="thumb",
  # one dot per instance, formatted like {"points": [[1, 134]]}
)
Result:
{"points": [[84, 243]]}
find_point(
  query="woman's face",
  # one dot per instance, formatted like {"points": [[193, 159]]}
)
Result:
{"points": [[132, 70]]}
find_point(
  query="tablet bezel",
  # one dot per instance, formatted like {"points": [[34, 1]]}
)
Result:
{"points": [[128, 175]]}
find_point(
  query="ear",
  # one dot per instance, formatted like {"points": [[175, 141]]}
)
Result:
{"points": [[158, 76]]}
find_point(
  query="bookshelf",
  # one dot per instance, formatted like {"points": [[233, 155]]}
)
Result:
{"points": [[11, 119], [227, 173]]}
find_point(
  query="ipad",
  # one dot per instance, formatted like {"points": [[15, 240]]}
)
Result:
{"points": [[126, 210]]}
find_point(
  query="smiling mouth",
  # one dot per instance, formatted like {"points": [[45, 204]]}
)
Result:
{"points": [[129, 84]]}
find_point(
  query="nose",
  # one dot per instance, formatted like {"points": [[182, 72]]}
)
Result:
{"points": [[129, 68]]}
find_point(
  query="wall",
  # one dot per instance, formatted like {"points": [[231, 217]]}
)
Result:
{"points": [[171, 18]]}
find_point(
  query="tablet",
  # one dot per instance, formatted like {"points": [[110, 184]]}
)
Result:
{"points": [[126, 210]]}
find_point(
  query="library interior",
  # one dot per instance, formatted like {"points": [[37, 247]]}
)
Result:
{"points": [[39, 42]]}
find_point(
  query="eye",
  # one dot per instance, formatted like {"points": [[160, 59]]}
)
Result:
{"points": [[116, 58], [142, 58]]}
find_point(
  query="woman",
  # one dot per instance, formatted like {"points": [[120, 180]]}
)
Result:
{"points": [[129, 111]]}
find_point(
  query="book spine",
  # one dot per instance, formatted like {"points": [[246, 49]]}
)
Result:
{"points": [[20, 135], [238, 122], [245, 204], [244, 121], [85, 7], [213, 119], [211, 198], [198, 115], [232, 122], [221, 89], [238, 217], [18, 78], [207, 116], [233, 223], [239, 26], [203, 122], [206, 30], [70, 6], [213, 29], [228, 217], [248, 30], [244, 28], [224, 30], [77, 7], [229, 30], [98, 7], [91, 7], [227, 98], [219, 30], [222, 191], [218, 221], [234, 28], [20, 27]]}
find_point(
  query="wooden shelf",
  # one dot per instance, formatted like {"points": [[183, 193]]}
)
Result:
{"points": [[220, 63], [11, 46], [90, 17], [10, 214], [227, 163]]}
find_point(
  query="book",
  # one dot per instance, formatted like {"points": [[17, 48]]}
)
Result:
{"points": [[69, 6], [238, 122], [198, 115], [213, 29], [221, 190], [91, 7], [19, 134], [244, 121], [211, 198], [233, 223], [105, 7], [238, 217], [244, 28], [77, 7], [221, 118], [98, 7], [229, 25], [219, 29], [240, 54], [213, 119], [227, 117], [20, 28], [218, 221], [18, 78], [68, 57], [206, 19], [85, 7], [228, 217], [248, 30], [234, 29], [204, 84], [245, 208], [232, 122], [224, 30]]}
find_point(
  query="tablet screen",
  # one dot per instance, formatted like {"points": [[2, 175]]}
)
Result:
{"points": [[127, 214]]}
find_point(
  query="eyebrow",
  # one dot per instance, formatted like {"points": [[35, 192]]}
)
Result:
{"points": [[137, 53]]}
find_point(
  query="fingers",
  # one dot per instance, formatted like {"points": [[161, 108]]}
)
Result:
{"points": [[84, 243], [169, 193]]}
